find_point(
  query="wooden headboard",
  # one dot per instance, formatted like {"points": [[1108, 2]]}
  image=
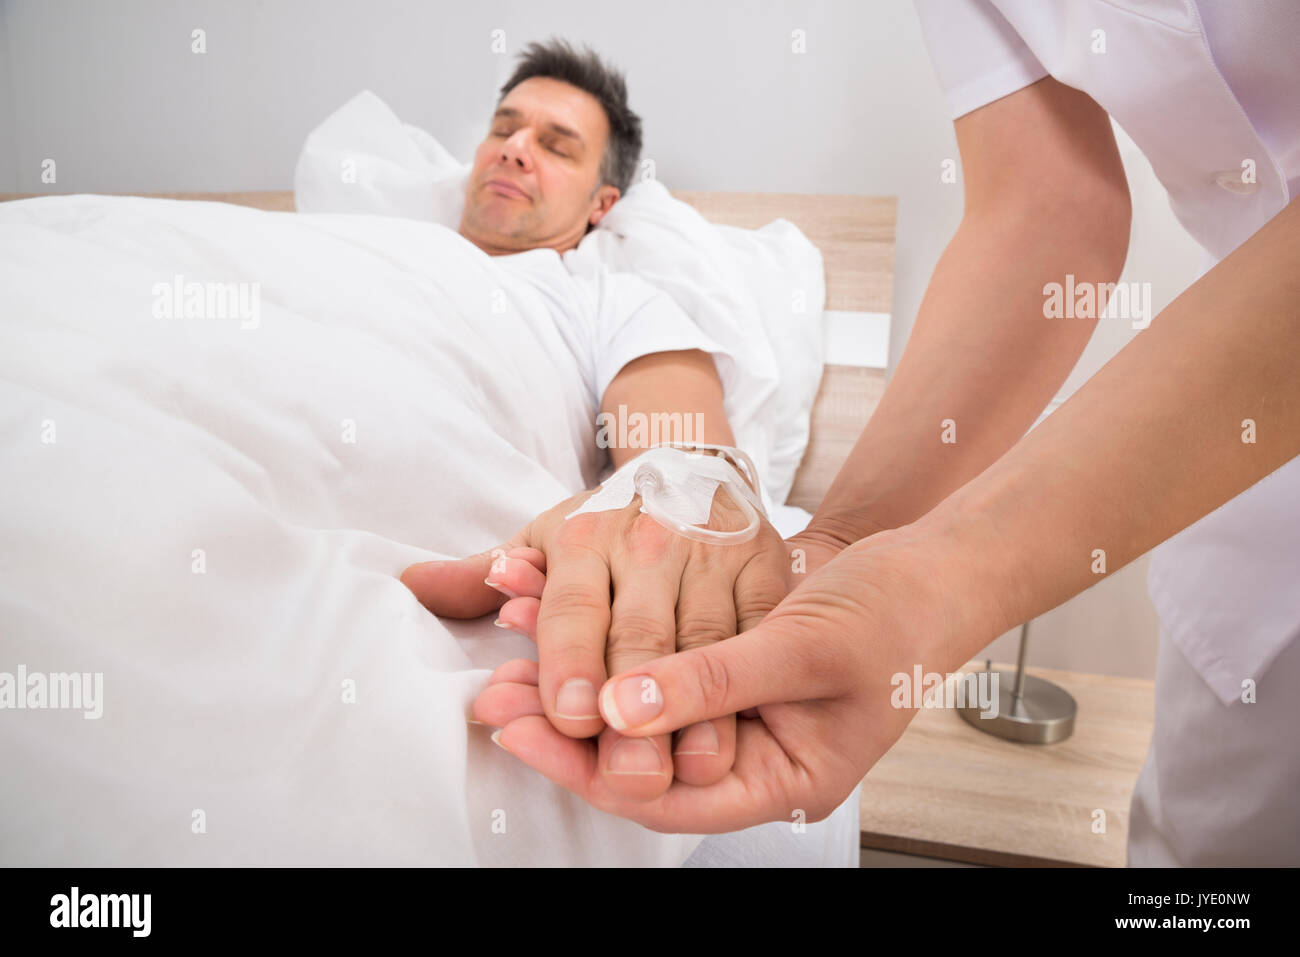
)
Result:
{"points": [[856, 237]]}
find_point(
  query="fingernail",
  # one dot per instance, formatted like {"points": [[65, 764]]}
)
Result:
{"points": [[631, 702], [576, 700], [635, 756], [498, 566], [698, 739], [496, 739], [505, 591], [501, 624]]}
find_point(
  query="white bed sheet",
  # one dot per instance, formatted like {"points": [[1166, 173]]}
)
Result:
{"points": [[224, 691], [184, 515]]}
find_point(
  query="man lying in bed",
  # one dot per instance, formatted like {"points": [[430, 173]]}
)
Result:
{"points": [[562, 147], [215, 525]]}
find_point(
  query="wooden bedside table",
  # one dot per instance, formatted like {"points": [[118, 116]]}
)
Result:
{"points": [[946, 790]]}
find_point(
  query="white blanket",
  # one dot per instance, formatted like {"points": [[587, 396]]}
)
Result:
{"points": [[212, 513]]}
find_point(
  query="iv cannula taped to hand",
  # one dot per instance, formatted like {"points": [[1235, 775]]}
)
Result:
{"points": [[677, 489]]}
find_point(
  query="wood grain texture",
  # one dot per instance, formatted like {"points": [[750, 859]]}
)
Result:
{"points": [[845, 400], [856, 237], [949, 791]]}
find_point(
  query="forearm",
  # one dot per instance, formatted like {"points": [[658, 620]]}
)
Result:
{"points": [[1045, 197], [1153, 442], [981, 364], [664, 397]]}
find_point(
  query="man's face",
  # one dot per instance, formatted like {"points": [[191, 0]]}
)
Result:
{"points": [[535, 177]]}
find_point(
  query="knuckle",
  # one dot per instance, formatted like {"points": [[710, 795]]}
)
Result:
{"points": [[577, 533], [572, 601], [759, 596], [704, 629], [569, 658], [645, 541], [637, 631], [714, 682], [755, 606]]}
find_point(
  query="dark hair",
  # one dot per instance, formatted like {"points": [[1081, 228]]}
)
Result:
{"points": [[585, 70]]}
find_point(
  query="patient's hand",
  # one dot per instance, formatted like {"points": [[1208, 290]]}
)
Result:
{"points": [[604, 593]]}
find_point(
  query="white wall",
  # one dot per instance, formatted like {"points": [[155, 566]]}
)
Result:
{"points": [[113, 93]]}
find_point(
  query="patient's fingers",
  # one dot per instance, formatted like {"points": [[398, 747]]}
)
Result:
{"points": [[534, 556], [571, 763], [514, 577], [572, 624], [764, 779], [520, 614], [458, 588], [641, 767], [706, 612], [500, 703], [646, 572], [520, 670], [575, 765], [454, 589], [761, 585], [643, 625]]}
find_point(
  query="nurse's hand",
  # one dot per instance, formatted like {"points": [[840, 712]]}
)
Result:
{"points": [[668, 594], [819, 671]]}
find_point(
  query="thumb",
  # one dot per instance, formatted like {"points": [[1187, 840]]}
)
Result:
{"points": [[786, 658], [457, 589]]}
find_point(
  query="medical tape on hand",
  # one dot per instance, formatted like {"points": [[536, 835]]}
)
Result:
{"points": [[677, 489]]}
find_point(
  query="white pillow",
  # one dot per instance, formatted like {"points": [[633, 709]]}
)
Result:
{"points": [[759, 293]]}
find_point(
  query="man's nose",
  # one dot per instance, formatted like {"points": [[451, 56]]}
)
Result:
{"points": [[517, 150]]}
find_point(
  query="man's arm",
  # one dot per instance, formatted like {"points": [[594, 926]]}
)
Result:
{"points": [[617, 589], [679, 389], [1045, 196]]}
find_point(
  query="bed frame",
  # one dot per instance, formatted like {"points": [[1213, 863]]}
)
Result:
{"points": [[856, 237]]}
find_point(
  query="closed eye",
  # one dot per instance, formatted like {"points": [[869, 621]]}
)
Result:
{"points": [[550, 146]]}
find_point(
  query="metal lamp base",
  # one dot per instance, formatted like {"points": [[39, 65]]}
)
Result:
{"points": [[1043, 714]]}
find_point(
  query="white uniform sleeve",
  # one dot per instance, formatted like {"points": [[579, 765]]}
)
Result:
{"points": [[634, 319], [977, 56]]}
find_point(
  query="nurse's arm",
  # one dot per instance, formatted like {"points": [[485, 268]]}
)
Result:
{"points": [[1147, 446], [1045, 196], [1192, 412]]}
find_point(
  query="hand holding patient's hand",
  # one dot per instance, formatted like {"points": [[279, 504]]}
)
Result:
{"points": [[606, 592], [819, 671]]}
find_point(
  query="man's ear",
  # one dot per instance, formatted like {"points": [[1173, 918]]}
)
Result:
{"points": [[602, 201]]}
